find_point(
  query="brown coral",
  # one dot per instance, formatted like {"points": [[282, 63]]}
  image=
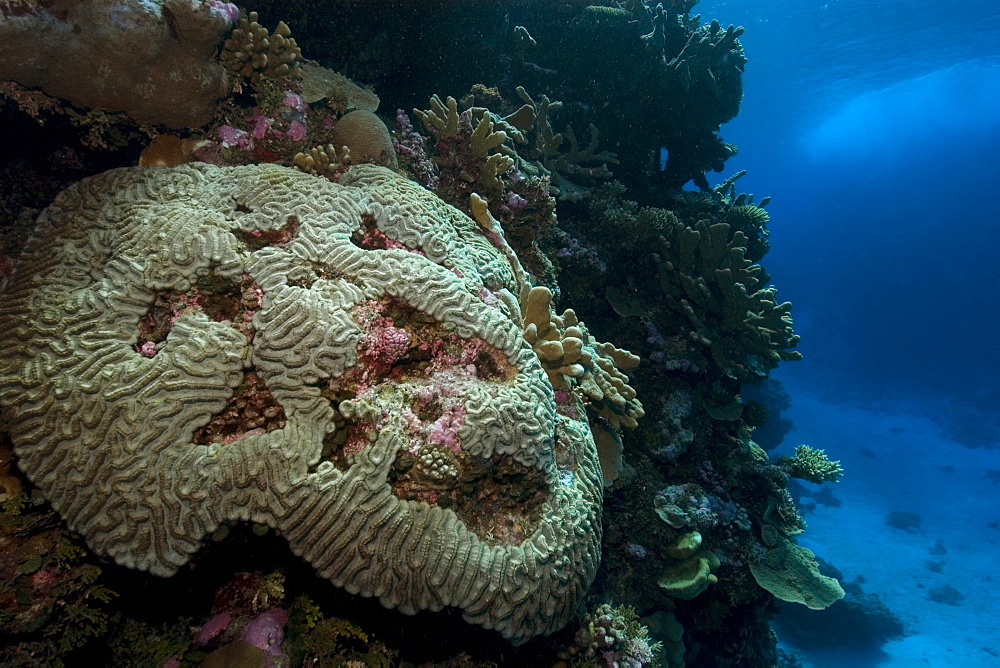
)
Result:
{"points": [[573, 359], [298, 362], [366, 137], [153, 60], [252, 53]]}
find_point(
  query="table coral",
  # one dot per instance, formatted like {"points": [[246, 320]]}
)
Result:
{"points": [[370, 397], [791, 573]]}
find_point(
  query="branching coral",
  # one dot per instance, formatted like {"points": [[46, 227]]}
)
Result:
{"points": [[252, 53], [613, 635], [476, 151], [706, 279], [560, 162], [572, 359], [812, 465], [325, 161], [691, 78]]}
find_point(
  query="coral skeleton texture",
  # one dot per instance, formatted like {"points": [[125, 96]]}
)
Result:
{"points": [[199, 344]]}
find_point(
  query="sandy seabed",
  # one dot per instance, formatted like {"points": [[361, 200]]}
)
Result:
{"points": [[911, 467]]}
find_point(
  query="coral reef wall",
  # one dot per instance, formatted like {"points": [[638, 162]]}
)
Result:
{"points": [[436, 297]]}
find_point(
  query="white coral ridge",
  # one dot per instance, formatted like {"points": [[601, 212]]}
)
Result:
{"points": [[105, 426]]}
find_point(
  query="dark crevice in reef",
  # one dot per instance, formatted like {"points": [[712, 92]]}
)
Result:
{"points": [[498, 499], [256, 239], [251, 410], [246, 551], [370, 237], [218, 297]]}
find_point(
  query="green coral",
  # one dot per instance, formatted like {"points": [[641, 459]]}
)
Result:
{"points": [[693, 575], [706, 280], [790, 572], [690, 273], [689, 578], [812, 465]]}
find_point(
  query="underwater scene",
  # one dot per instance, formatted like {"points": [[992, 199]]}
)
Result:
{"points": [[437, 333]]}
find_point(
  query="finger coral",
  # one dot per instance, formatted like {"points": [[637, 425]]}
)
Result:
{"points": [[200, 344], [573, 359], [252, 53]]}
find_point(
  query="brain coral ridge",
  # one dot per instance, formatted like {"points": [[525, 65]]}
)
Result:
{"points": [[191, 345]]}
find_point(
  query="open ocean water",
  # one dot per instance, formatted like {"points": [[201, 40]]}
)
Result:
{"points": [[876, 127]]}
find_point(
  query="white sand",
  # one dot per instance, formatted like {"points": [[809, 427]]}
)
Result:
{"points": [[906, 474]]}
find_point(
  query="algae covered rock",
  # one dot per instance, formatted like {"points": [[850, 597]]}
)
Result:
{"points": [[154, 60], [342, 362]]}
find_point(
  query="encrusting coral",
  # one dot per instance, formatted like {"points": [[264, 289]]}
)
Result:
{"points": [[340, 93], [197, 344], [153, 60]]}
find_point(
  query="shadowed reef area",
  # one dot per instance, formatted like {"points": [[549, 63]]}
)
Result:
{"points": [[384, 333]]}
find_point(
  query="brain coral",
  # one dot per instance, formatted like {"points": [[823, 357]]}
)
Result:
{"points": [[191, 345]]}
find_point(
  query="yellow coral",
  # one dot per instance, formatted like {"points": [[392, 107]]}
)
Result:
{"points": [[323, 160], [573, 359], [251, 53], [487, 141], [693, 574]]}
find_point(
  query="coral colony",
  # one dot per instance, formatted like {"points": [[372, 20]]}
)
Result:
{"points": [[290, 327]]}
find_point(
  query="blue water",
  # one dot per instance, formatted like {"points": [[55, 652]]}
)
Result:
{"points": [[876, 128]]}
